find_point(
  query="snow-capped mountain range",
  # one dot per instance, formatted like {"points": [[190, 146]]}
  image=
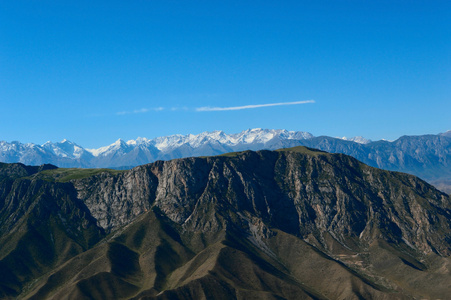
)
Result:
{"points": [[427, 156], [170, 143], [143, 150]]}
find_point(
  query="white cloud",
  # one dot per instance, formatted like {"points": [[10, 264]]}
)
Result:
{"points": [[120, 113], [139, 111], [179, 108], [207, 108]]}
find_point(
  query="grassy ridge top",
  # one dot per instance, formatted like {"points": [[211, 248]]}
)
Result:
{"points": [[67, 174], [303, 150], [298, 149]]}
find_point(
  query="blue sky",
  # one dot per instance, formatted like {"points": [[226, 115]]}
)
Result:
{"points": [[96, 71]]}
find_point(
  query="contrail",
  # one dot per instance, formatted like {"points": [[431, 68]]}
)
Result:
{"points": [[207, 108], [140, 111]]}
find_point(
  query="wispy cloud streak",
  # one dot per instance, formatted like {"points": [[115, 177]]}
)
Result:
{"points": [[176, 108], [207, 108], [139, 111]]}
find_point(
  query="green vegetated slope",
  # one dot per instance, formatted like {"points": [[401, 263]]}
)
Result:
{"points": [[291, 224], [68, 174]]}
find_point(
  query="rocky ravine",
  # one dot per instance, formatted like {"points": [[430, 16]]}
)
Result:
{"points": [[294, 224]]}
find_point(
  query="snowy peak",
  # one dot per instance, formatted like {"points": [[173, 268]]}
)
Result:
{"points": [[65, 149], [62, 154], [164, 147], [357, 139], [142, 150], [194, 141], [138, 141], [250, 136], [120, 146], [258, 135], [447, 134]]}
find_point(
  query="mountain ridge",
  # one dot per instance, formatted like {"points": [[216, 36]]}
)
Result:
{"points": [[427, 156], [295, 223]]}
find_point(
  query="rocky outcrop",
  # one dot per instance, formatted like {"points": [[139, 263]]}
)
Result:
{"points": [[306, 194]]}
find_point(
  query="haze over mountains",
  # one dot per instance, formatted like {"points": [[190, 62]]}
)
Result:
{"points": [[290, 224], [426, 156]]}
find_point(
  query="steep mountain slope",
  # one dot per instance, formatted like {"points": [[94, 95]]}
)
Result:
{"points": [[290, 224], [42, 224]]}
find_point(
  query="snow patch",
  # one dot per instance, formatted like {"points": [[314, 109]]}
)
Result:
{"points": [[357, 139]]}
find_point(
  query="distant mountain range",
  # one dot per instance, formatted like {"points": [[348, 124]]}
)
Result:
{"points": [[143, 150], [426, 156]]}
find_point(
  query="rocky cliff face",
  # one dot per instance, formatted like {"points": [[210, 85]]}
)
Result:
{"points": [[185, 228], [303, 194]]}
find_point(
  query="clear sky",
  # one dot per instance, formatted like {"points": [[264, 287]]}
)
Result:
{"points": [[96, 71]]}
